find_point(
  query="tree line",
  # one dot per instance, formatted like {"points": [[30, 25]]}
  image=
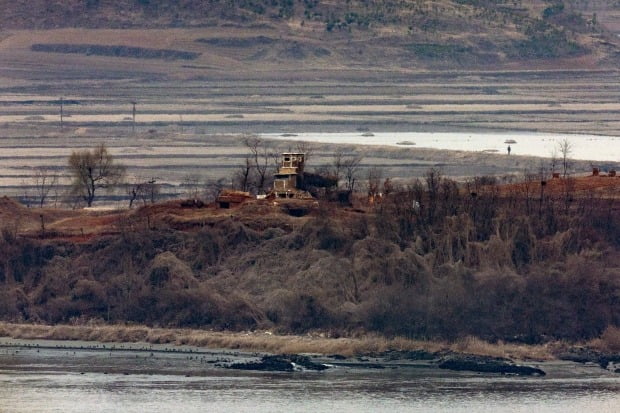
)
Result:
{"points": [[91, 171], [96, 171]]}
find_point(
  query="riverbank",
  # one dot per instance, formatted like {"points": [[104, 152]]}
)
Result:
{"points": [[147, 359], [261, 341], [319, 343], [163, 379]]}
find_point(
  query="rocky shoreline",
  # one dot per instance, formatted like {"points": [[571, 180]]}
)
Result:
{"points": [[446, 361], [188, 360], [583, 355], [466, 362]]}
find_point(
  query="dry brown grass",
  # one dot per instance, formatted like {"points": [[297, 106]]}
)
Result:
{"points": [[474, 345], [250, 341], [609, 341], [265, 341], [581, 186]]}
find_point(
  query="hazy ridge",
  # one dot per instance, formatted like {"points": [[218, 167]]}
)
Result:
{"points": [[442, 33]]}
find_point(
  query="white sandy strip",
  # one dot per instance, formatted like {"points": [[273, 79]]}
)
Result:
{"points": [[584, 147]]}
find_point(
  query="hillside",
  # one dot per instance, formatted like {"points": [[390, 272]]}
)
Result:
{"points": [[505, 263], [435, 34]]}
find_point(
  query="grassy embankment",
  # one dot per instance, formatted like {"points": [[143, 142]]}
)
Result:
{"points": [[263, 341]]}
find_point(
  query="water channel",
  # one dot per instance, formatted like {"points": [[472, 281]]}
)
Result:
{"points": [[82, 380]]}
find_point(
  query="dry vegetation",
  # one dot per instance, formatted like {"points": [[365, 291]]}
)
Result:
{"points": [[268, 342], [608, 342], [434, 260], [249, 341], [265, 341]]}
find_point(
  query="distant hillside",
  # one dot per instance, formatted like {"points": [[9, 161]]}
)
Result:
{"points": [[468, 33], [413, 15]]}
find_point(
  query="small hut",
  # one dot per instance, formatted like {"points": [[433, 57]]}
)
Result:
{"points": [[229, 198]]}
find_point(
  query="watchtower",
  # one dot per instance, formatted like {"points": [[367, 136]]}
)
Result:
{"points": [[290, 174]]}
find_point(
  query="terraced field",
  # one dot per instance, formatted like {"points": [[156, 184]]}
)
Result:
{"points": [[191, 115]]}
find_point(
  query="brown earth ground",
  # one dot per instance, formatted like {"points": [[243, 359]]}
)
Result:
{"points": [[585, 186], [83, 225]]}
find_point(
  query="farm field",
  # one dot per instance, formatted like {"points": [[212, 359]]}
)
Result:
{"points": [[192, 115]]}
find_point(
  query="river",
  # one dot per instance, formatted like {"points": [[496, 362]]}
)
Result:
{"points": [[86, 380]]}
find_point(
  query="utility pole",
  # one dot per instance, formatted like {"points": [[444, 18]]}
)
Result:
{"points": [[152, 190], [543, 183], [61, 112], [133, 116]]}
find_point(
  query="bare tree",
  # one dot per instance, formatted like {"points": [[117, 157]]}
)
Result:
{"points": [[307, 148], [554, 160], [92, 170], [192, 185], [145, 190], [345, 167], [566, 150], [152, 190], [261, 160], [542, 170], [45, 180], [433, 180], [27, 196], [241, 178], [351, 165], [568, 192], [213, 188], [374, 181], [527, 188], [337, 166]]}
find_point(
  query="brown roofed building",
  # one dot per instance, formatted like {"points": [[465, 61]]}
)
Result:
{"points": [[229, 198]]}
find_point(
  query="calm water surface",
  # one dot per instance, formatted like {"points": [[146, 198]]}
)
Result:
{"points": [[588, 147], [84, 381]]}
